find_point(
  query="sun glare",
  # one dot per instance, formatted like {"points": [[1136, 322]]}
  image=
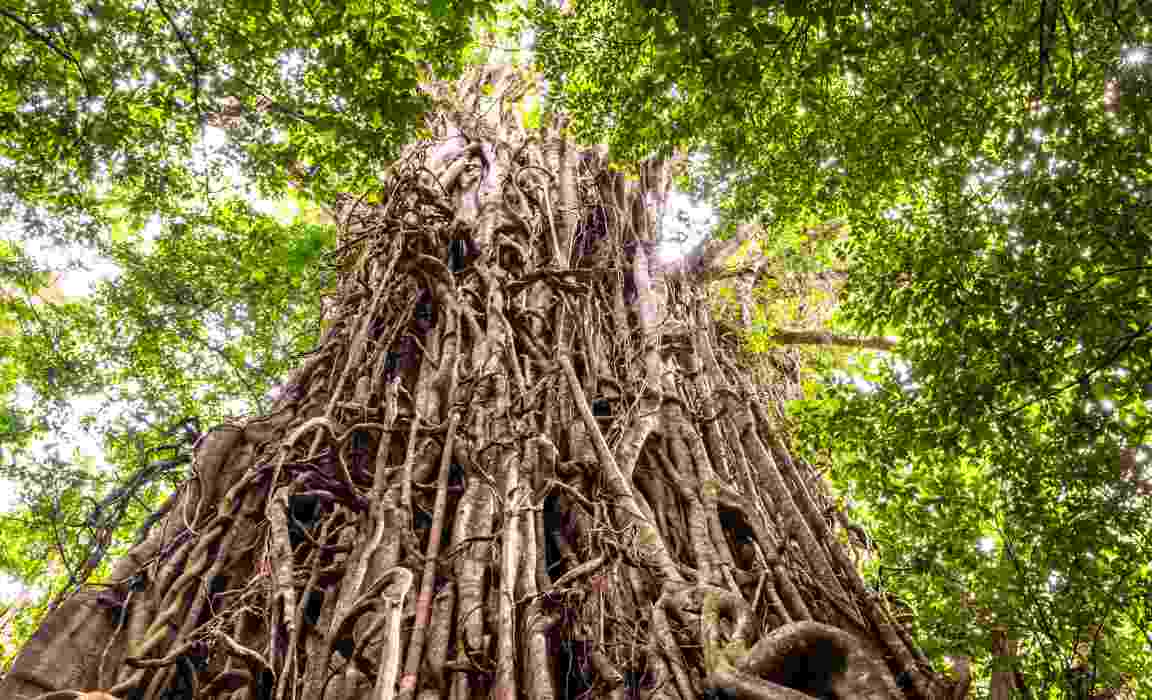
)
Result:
{"points": [[1135, 55]]}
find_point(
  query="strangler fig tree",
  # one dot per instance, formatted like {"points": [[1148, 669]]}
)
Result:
{"points": [[522, 462]]}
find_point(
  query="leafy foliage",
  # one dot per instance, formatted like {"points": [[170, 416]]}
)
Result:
{"points": [[110, 117], [1022, 295], [121, 91], [194, 340], [991, 160]]}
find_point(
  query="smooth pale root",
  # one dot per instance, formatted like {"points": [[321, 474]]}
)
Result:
{"points": [[509, 565], [470, 571], [427, 581], [649, 536], [390, 654]]}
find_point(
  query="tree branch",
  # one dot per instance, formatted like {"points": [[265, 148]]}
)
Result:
{"points": [[47, 41], [821, 337]]}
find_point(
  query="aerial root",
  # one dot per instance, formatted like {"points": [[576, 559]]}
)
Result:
{"points": [[390, 653], [424, 601], [802, 660], [632, 550]]}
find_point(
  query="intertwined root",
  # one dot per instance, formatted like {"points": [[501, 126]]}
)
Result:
{"points": [[520, 464]]}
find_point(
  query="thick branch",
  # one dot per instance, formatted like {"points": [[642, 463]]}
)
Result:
{"points": [[821, 337]]}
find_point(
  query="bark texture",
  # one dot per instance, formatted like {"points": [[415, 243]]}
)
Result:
{"points": [[521, 464]]}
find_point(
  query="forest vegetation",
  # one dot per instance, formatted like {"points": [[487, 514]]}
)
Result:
{"points": [[576, 348]]}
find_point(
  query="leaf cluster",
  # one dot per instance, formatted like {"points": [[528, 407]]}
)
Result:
{"points": [[991, 161]]}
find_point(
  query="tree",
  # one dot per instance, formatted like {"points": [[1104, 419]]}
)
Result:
{"points": [[520, 462], [873, 115]]}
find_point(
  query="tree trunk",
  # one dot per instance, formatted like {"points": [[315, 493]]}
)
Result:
{"points": [[521, 463]]}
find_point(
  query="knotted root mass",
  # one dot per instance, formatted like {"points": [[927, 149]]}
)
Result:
{"points": [[521, 463]]}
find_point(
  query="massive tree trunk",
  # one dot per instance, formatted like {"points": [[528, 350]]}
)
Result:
{"points": [[521, 463]]}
